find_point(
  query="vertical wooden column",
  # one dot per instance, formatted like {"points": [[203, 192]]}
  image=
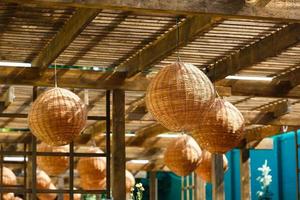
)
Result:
{"points": [[218, 177], [245, 176], [200, 192], [153, 186], [118, 145]]}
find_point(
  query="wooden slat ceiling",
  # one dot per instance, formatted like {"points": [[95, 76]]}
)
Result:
{"points": [[114, 36]]}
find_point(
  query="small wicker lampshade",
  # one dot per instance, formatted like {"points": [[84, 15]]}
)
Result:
{"points": [[205, 165], [53, 165], [183, 156], [8, 177], [18, 198], [130, 181], [57, 116], [43, 181], [177, 96], [93, 168], [75, 196], [222, 128], [92, 184], [8, 196]]}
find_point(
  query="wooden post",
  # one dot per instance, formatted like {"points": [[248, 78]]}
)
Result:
{"points": [[244, 170], [118, 145], [153, 186], [218, 177]]}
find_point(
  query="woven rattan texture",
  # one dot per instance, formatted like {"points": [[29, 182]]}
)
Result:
{"points": [[183, 156], [57, 117], [8, 196], [53, 165], [92, 184], [221, 129], [92, 170], [178, 95], [205, 165], [43, 181], [8, 177]]}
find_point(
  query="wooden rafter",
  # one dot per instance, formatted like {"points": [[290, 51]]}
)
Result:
{"points": [[256, 52], [166, 44], [73, 27], [236, 8]]}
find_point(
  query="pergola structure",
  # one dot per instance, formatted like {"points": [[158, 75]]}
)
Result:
{"points": [[100, 45]]}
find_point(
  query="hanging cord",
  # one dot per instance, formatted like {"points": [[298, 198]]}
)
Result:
{"points": [[214, 84], [177, 39], [55, 75]]}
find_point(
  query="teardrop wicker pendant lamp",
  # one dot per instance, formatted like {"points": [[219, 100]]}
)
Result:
{"points": [[221, 129], [92, 184], [183, 156], [178, 95], [57, 116], [8, 196], [205, 165], [53, 165]]}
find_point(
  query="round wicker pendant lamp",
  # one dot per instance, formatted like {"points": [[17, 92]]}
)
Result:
{"points": [[18, 198], [130, 181], [178, 95], [222, 128], [43, 181], [57, 116], [205, 165], [93, 168], [8, 177], [53, 165], [183, 156]]}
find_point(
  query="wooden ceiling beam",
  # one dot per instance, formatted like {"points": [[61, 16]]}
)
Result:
{"points": [[237, 8], [256, 52], [167, 43], [65, 36]]}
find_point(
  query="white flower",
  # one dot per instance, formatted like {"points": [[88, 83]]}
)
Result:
{"points": [[142, 188], [265, 169], [267, 180], [138, 185], [132, 189], [259, 193]]}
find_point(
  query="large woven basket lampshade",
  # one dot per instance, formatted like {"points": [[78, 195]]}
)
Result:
{"points": [[53, 165], [177, 96], [43, 181], [130, 181], [57, 116], [93, 168], [222, 128], [205, 166], [183, 156]]}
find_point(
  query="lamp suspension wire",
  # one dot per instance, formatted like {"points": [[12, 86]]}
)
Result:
{"points": [[177, 39], [55, 75]]}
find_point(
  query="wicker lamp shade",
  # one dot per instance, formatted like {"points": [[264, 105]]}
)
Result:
{"points": [[57, 116], [177, 96], [43, 181], [8, 177], [8, 196], [53, 165], [93, 168], [130, 181], [18, 198], [205, 165], [222, 128], [92, 184], [183, 156]]}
